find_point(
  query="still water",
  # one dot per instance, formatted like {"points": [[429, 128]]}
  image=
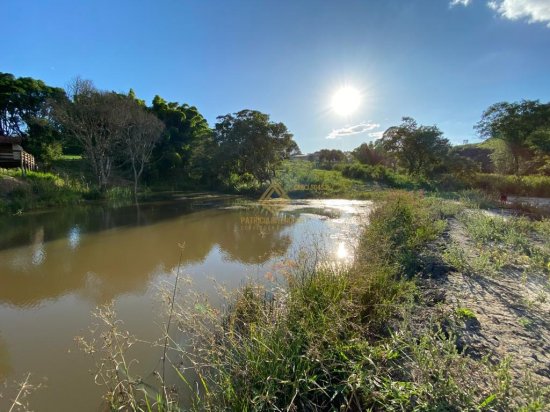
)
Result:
{"points": [[56, 267]]}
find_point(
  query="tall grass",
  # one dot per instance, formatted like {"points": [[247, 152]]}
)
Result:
{"points": [[341, 339], [39, 189], [324, 337], [535, 186]]}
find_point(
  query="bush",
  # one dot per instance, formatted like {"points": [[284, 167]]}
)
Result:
{"points": [[382, 175], [536, 186]]}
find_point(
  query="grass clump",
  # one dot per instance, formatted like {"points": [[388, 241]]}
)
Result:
{"points": [[509, 241], [465, 313]]}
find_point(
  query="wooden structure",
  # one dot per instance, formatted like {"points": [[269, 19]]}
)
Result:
{"points": [[12, 155]]}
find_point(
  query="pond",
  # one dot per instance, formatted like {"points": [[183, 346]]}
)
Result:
{"points": [[57, 266]]}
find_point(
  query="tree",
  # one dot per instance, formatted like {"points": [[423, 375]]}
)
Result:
{"points": [[139, 132], [185, 129], [523, 126], [331, 156], [90, 117], [249, 143], [420, 150], [25, 111], [369, 154]]}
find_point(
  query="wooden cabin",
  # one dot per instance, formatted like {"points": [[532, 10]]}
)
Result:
{"points": [[12, 155]]}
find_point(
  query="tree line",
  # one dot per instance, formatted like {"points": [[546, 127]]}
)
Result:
{"points": [[172, 142], [164, 141], [520, 131]]}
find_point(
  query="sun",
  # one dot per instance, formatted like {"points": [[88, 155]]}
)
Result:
{"points": [[346, 101]]}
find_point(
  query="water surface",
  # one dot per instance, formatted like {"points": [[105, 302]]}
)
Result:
{"points": [[56, 267]]}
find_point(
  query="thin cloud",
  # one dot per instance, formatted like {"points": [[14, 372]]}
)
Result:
{"points": [[460, 2], [351, 130]]}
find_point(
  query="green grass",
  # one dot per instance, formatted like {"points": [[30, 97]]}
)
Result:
{"points": [[465, 313], [342, 339], [535, 186], [330, 338], [67, 184], [381, 175], [301, 180], [510, 241], [41, 190]]}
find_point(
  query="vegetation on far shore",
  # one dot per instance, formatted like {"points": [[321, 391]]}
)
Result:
{"points": [[97, 144]]}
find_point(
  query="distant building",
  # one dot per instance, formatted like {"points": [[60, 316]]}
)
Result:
{"points": [[13, 156]]}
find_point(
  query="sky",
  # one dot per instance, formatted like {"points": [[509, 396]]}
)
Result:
{"points": [[441, 62]]}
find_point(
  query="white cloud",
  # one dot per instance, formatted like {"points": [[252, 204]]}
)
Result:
{"points": [[534, 11], [351, 130], [460, 2], [376, 135]]}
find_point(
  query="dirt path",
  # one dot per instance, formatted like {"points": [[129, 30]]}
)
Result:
{"points": [[512, 311]]}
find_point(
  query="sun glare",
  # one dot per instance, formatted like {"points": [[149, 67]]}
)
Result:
{"points": [[346, 100]]}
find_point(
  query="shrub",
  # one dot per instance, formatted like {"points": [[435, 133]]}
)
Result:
{"points": [[382, 175], [536, 186]]}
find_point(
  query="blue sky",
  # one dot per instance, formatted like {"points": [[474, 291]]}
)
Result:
{"points": [[438, 62]]}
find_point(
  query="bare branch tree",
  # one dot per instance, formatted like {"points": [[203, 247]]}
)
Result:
{"points": [[140, 130], [91, 118]]}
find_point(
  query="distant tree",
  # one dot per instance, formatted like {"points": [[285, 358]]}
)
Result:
{"points": [[479, 157], [523, 126], [331, 156], [420, 150], [138, 132], [369, 154], [249, 143], [25, 111]]}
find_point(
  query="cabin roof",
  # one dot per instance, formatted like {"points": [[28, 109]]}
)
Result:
{"points": [[8, 139]]}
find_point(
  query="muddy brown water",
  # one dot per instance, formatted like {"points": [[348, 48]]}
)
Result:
{"points": [[56, 267]]}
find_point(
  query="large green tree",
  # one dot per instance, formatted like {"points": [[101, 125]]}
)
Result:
{"points": [[248, 143], [524, 127], [25, 111], [183, 136], [420, 150]]}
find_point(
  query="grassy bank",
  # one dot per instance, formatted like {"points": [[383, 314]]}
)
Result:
{"points": [[363, 337], [349, 339], [20, 193]]}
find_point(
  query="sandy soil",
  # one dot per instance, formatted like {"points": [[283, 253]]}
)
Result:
{"points": [[512, 311]]}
